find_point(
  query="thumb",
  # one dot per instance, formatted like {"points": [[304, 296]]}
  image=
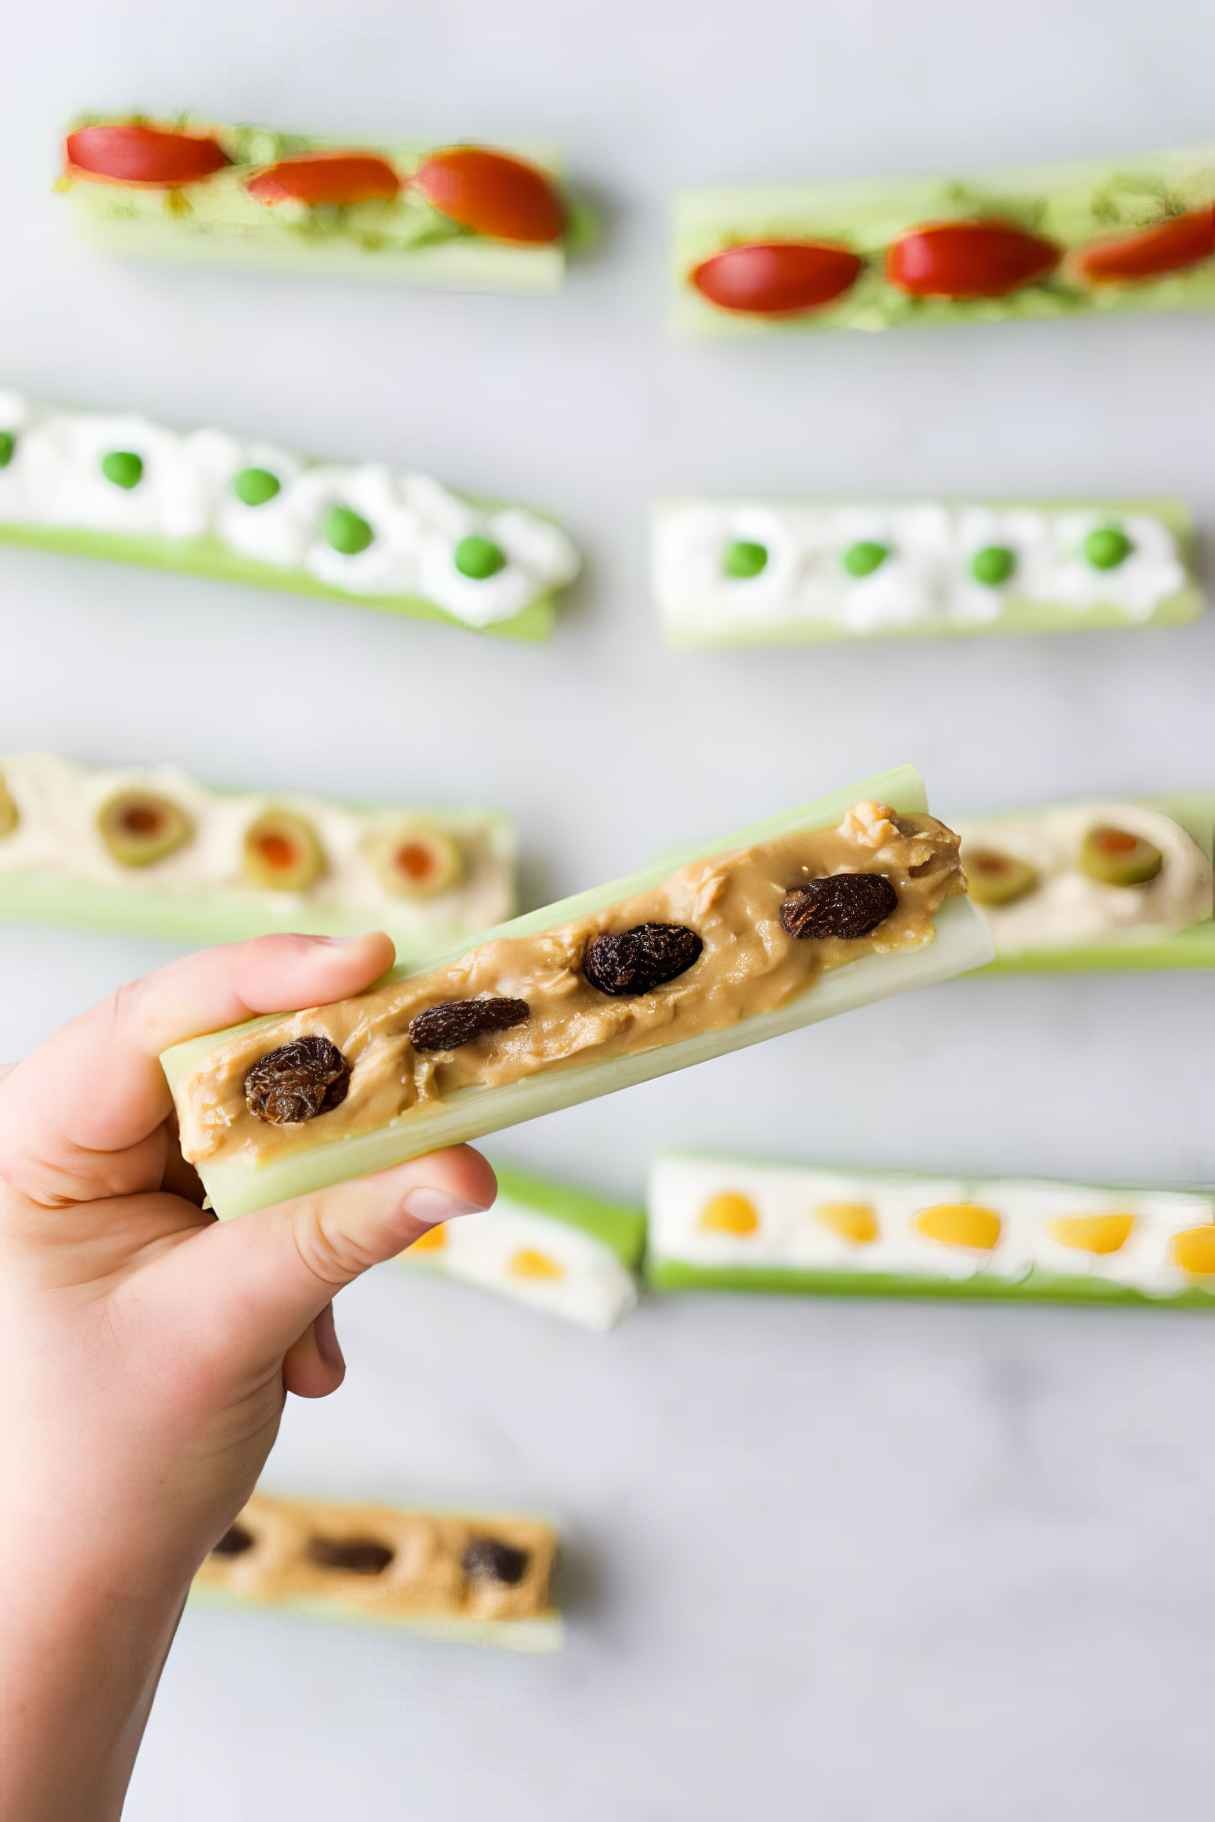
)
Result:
{"points": [[275, 1271]]}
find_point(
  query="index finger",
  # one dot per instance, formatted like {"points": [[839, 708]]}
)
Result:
{"points": [[97, 1085]]}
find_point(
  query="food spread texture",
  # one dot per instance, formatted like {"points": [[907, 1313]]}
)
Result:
{"points": [[1080, 873], [232, 184], [728, 569], [720, 940], [378, 1563], [524, 1253], [1051, 240], [161, 831], [742, 1218], [367, 531]]}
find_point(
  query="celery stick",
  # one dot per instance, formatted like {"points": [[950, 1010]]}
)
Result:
{"points": [[214, 220], [961, 943], [792, 1249], [1128, 953], [1074, 206], [588, 1250], [797, 590]]}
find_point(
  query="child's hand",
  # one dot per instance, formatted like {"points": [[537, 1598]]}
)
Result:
{"points": [[145, 1349]]}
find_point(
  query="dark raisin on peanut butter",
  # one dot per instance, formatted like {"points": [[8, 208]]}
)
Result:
{"points": [[296, 1082], [455, 1022], [357, 1555], [632, 961], [234, 1542], [489, 1559], [847, 905]]}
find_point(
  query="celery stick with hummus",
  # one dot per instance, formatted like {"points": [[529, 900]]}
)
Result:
{"points": [[152, 851], [814, 912], [1098, 884]]}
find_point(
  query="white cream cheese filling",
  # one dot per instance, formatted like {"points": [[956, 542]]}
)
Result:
{"points": [[186, 491], [56, 833], [536, 1260], [797, 1220], [1066, 906], [925, 578]]}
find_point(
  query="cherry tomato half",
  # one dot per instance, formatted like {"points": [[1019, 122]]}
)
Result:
{"points": [[968, 259], [333, 177], [136, 154], [493, 194], [1166, 246], [777, 277]]}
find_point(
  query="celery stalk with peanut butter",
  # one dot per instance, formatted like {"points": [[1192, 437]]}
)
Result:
{"points": [[812, 913]]}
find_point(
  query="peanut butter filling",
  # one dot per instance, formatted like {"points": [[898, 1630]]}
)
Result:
{"points": [[754, 929], [376, 1562]]}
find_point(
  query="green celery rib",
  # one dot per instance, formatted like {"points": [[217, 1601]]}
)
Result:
{"points": [[1043, 1287], [620, 1226], [209, 558], [962, 942], [1018, 614], [1192, 948], [543, 1632], [1069, 203]]}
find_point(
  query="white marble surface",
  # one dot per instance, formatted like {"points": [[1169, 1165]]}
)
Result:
{"points": [[857, 1561]]}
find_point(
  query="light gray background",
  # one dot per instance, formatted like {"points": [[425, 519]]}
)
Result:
{"points": [[854, 1561]]}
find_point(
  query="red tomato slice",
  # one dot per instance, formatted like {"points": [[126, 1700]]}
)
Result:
{"points": [[333, 177], [1166, 246], [136, 154], [968, 259], [493, 194], [777, 277]]}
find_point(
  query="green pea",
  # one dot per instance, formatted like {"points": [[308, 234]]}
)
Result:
{"points": [[1108, 547], [993, 565], [479, 558], [122, 467], [743, 559], [863, 558], [254, 486], [8, 447], [346, 531]]}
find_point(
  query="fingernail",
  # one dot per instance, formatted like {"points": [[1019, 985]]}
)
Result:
{"points": [[327, 1344], [434, 1205]]}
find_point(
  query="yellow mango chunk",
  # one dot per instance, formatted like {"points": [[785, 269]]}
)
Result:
{"points": [[855, 1222], [529, 1262], [1194, 1251], [729, 1213], [1093, 1233], [432, 1241], [960, 1224]]}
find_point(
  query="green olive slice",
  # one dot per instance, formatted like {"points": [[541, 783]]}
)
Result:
{"points": [[141, 827], [282, 852], [1116, 857], [997, 878], [416, 860]]}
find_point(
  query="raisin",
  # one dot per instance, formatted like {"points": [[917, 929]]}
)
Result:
{"points": [[297, 1082], [847, 905], [455, 1022], [637, 960], [234, 1542], [488, 1559], [357, 1555]]}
